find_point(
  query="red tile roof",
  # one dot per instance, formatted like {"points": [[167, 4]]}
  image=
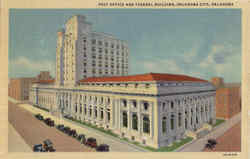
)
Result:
{"points": [[45, 81], [143, 77]]}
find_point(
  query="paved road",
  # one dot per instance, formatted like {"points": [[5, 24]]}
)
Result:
{"points": [[116, 145], [34, 131], [230, 141], [198, 145], [16, 142]]}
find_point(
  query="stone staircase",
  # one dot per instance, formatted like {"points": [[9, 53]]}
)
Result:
{"points": [[201, 132]]}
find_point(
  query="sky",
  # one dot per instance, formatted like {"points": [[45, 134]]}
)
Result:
{"points": [[203, 43]]}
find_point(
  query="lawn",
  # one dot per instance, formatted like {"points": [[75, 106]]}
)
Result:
{"points": [[174, 146], [218, 122]]}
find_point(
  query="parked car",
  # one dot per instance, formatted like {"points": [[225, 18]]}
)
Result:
{"points": [[91, 142], [38, 148], [60, 127], [212, 141], [81, 138], [102, 148], [66, 130], [49, 122], [48, 146], [73, 133], [39, 116], [209, 146]]}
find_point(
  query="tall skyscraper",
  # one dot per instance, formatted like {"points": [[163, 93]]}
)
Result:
{"points": [[83, 53]]}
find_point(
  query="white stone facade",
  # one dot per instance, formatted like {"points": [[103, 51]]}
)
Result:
{"points": [[83, 53], [152, 113]]}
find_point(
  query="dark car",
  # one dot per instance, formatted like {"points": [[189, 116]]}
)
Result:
{"points": [[39, 116], [103, 148], [48, 145], [60, 127], [212, 141], [209, 146], [81, 138], [73, 133], [49, 122], [91, 142], [38, 148], [66, 130]]}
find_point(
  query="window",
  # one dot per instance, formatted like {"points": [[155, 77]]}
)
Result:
{"points": [[93, 41], [179, 119], [164, 125], [145, 104], [125, 119], [124, 102], [147, 85], [136, 85], [95, 113], [134, 104], [172, 104], [163, 106], [90, 111], [101, 114], [172, 122], [80, 108], [146, 124], [134, 122], [108, 116]]}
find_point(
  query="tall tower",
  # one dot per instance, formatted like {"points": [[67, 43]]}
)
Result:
{"points": [[75, 27], [60, 57], [82, 53]]}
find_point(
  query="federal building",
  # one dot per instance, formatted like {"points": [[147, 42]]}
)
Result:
{"points": [[92, 85]]}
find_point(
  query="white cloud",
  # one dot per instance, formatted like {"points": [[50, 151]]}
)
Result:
{"points": [[162, 66], [27, 65], [224, 61]]}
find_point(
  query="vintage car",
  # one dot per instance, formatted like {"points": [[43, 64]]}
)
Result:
{"points": [[48, 146], [73, 133], [66, 130], [60, 127], [91, 142], [38, 148], [39, 116], [102, 148]]}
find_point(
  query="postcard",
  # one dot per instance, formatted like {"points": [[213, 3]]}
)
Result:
{"points": [[115, 79]]}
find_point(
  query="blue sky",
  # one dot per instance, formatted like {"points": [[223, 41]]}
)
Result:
{"points": [[197, 42]]}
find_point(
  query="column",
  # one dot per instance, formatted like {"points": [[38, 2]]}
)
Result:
{"points": [[129, 114], [139, 117]]}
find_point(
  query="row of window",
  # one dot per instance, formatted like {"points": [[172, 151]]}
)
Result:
{"points": [[136, 85], [145, 122]]}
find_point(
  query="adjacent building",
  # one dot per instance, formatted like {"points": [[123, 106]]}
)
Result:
{"points": [[18, 88], [228, 98]]}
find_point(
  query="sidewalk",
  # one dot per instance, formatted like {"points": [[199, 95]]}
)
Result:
{"points": [[198, 145], [16, 142], [116, 145]]}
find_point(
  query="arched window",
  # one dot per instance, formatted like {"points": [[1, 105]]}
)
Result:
{"points": [[134, 122], [146, 124], [172, 122], [164, 125], [125, 119]]}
